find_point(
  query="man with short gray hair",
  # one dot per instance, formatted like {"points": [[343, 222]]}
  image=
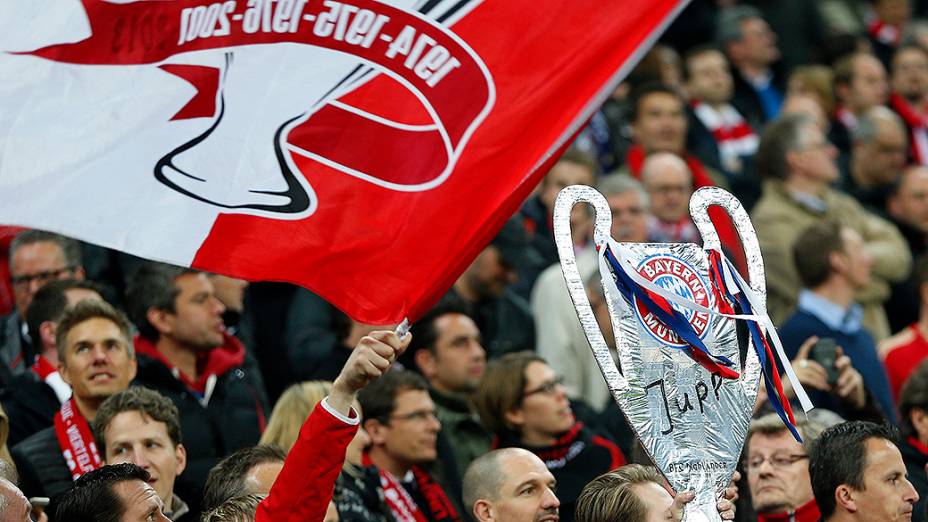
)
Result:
{"points": [[36, 257], [777, 466], [878, 155], [797, 164]]}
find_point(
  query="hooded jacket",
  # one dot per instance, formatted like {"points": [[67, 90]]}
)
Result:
{"points": [[222, 411]]}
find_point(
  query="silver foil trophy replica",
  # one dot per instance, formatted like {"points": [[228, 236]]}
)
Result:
{"points": [[691, 422]]}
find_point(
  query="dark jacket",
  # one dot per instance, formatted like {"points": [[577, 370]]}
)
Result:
{"points": [[213, 424], [859, 346], [359, 497], [14, 348], [467, 437], [31, 404], [43, 471]]}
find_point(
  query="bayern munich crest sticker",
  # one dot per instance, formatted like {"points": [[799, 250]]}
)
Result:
{"points": [[678, 277]]}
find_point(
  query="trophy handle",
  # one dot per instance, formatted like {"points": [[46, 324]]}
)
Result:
{"points": [[700, 202], [566, 199]]}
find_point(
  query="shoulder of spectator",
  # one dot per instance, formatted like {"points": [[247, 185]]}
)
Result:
{"points": [[899, 340]]}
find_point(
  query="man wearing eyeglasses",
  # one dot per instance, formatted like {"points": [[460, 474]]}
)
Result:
{"points": [[36, 257], [399, 417], [777, 468]]}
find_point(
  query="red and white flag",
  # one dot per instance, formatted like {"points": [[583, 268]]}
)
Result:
{"points": [[364, 149]]}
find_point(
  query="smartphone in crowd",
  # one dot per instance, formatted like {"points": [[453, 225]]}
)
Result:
{"points": [[825, 352]]}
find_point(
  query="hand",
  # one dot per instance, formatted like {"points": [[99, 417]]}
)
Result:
{"points": [[810, 373], [370, 359], [726, 504], [850, 383], [680, 500]]}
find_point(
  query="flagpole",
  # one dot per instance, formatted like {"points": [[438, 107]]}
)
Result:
{"points": [[403, 328]]}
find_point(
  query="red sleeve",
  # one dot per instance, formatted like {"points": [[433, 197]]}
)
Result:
{"points": [[305, 485]]}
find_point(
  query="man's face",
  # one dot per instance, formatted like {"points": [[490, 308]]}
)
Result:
{"points": [[137, 439], [458, 360], [816, 157], [858, 259], [489, 275], [910, 203], [17, 507], [261, 477], [661, 123], [197, 318], [141, 502], [545, 411], [758, 43], [710, 79], [96, 361], [527, 491], [882, 159], [35, 264], [869, 86], [670, 190], [656, 498], [778, 472], [910, 73], [629, 217], [409, 435], [563, 174], [887, 494]]}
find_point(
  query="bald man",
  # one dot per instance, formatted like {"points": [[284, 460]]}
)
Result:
{"points": [[669, 184], [510, 485]]}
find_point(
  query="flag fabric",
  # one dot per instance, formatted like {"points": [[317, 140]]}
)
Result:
{"points": [[366, 150]]}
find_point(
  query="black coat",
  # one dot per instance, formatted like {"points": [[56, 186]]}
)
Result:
{"points": [[233, 418], [30, 404], [43, 471]]}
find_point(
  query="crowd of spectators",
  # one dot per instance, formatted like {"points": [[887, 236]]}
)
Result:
{"points": [[133, 390]]}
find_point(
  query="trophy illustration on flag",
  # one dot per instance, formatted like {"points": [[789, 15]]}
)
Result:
{"points": [[679, 379]]}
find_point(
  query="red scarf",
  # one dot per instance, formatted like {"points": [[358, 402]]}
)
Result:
{"points": [[917, 122], [733, 136], [76, 440], [401, 503], [728, 236], [807, 512], [884, 33]]}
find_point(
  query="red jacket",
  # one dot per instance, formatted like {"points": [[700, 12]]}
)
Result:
{"points": [[304, 488]]}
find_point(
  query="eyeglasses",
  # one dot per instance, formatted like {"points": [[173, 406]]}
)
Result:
{"points": [[24, 281], [777, 461], [416, 416], [546, 388]]}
